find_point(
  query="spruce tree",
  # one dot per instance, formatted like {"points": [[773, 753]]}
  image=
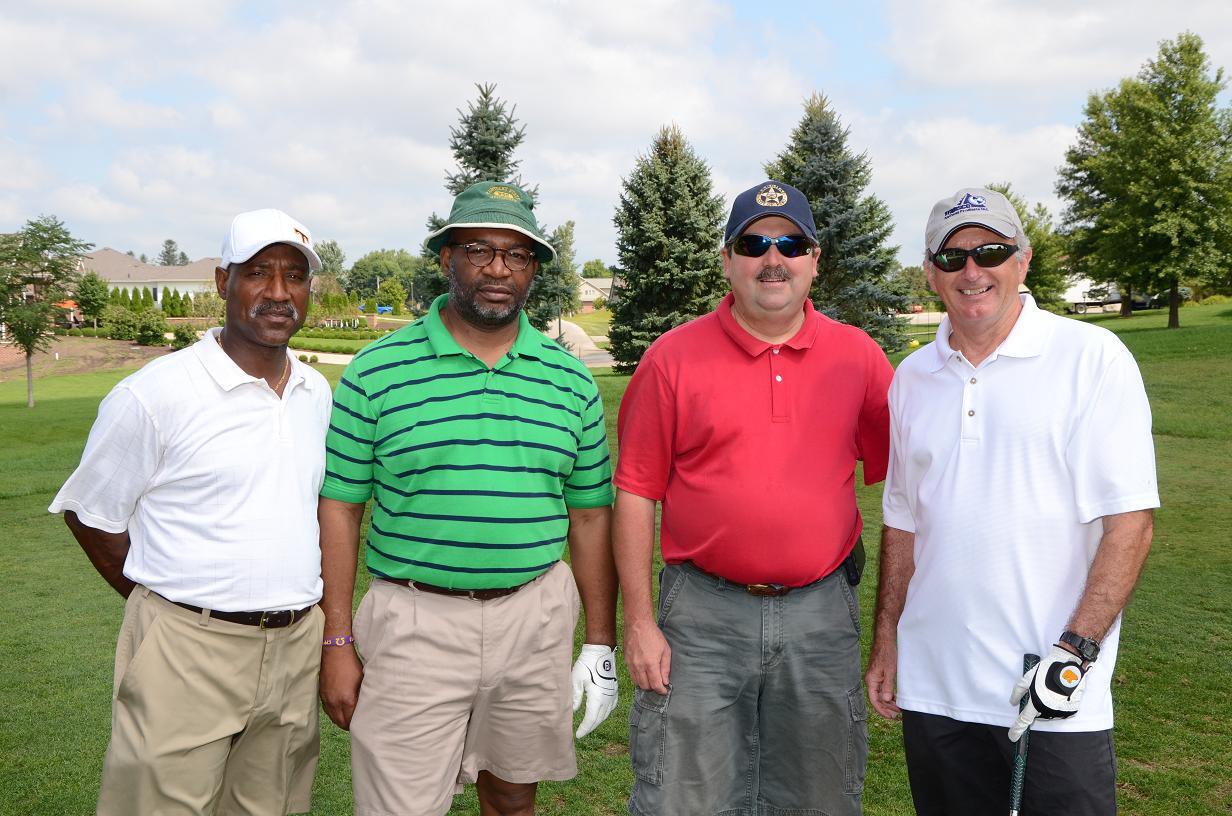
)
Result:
{"points": [[555, 288], [668, 226], [483, 144], [484, 141], [170, 254], [852, 226]]}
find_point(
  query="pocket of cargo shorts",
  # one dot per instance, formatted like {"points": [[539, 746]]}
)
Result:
{"points": [[648, 734], [857, 742]]}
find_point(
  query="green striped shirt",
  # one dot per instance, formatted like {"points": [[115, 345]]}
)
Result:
{"points": [[472, 470]]}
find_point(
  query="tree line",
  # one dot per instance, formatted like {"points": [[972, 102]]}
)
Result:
{"points": [[1147, 186]]}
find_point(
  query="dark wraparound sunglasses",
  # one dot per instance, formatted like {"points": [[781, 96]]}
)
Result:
{"points": [[754, 246], [985, 255]]}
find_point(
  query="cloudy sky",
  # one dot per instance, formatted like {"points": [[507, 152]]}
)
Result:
{"points": [[140, 120]]}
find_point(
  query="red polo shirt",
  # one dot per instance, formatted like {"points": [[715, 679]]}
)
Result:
{"points": [[752, 447]]}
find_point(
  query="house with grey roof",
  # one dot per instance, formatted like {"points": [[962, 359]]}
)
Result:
{"points": [[591, 289], [122, 271]]}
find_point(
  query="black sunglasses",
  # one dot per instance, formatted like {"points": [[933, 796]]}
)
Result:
{"points": [[985, 255], [754, 246]]}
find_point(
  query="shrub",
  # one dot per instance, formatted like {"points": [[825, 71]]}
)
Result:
{"points": [[185, 336], [1215, 300], [363, 333], [120, 323], [314, 359], [152, 328], [328, 346], [303, 358]]}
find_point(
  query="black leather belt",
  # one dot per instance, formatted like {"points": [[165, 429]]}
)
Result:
{"points": [[473, 594], [266, 620]]}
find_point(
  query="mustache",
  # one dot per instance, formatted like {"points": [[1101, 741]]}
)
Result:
{"points": [[774, 273], [277, 309], [488, 283]]}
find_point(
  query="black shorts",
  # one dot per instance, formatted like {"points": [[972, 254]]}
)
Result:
{"points": [[963, 769]]}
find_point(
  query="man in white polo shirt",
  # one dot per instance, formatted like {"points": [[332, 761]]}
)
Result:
{"points": [[196, 500], [1018, 516]]}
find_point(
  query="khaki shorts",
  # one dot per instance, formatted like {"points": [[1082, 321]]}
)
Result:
{"points": [[209, 716], [454, 686]]}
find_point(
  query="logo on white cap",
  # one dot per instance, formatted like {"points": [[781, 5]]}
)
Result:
{"points": [[253, 231], [966, 203]]}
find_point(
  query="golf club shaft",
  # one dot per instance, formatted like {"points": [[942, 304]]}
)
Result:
{"points": [[1020, 755]]}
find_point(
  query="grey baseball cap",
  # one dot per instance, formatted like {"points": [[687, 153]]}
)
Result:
{"points": [[971, 207]]}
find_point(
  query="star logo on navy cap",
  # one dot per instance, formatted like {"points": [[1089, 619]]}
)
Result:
{"points": [[772, 195]]}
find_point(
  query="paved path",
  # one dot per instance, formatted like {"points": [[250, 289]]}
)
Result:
{"points": [[576, 340]]}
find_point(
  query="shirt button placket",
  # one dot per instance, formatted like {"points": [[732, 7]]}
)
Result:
{"points": [[778, 394], [970, 429]]}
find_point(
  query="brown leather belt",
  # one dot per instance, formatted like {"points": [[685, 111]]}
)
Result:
{"points": [[266, 620], [473, 594], [761, 590]]}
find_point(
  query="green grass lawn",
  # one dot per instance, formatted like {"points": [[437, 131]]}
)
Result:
{"points": [[1173, 709], [594, 323], [328, 345]]}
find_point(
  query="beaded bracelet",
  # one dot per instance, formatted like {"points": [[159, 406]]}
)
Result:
{"points": [[340, 640]]}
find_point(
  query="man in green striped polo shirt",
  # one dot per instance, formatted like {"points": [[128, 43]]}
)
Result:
{"points": [[482, 446]]}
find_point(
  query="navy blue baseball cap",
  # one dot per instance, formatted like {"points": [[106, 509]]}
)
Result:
{"points": [[770, 198]]}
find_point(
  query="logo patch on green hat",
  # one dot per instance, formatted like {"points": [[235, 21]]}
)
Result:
{"points": [[772, 195], [507, 193]]}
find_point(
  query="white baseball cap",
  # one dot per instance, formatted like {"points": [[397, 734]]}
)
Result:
{"points": [[253, 231], [970, 206]]}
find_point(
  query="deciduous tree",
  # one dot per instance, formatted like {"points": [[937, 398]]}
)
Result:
{"points": [[38, 268], [555, 289], [1149, 181], [91, 294], [1049, 276], [596, 269]]}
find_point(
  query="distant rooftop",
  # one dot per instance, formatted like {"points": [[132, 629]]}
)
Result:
{"points": [[119, 268]]}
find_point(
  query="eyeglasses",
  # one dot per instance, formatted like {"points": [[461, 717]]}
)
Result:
{"points": [[986, 256], [754, 246], [480, 255]]}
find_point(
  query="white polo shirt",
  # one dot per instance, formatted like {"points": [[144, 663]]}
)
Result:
{"points": [[213, 476], [1003, 472]]}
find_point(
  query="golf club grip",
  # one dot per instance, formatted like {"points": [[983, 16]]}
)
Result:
{"points": [[1029, 661]]}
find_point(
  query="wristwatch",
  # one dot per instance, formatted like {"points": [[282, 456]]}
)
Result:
{"points": [[1088, 649]]}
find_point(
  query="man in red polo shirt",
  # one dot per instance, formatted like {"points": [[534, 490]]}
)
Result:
{"points": [[746, 424]]}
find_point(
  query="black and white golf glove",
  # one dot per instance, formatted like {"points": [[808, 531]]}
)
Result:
{"points": [[1055, 687], [594, 677]]}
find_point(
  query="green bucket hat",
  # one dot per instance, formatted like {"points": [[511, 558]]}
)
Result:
{"points": [[494, 204]]}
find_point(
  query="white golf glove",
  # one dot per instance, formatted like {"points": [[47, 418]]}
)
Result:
{"points": [[1056, 689], [594, 676]]}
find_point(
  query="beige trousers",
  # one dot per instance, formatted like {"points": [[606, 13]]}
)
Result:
{"points": [[454, 686], [211, 717]]}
